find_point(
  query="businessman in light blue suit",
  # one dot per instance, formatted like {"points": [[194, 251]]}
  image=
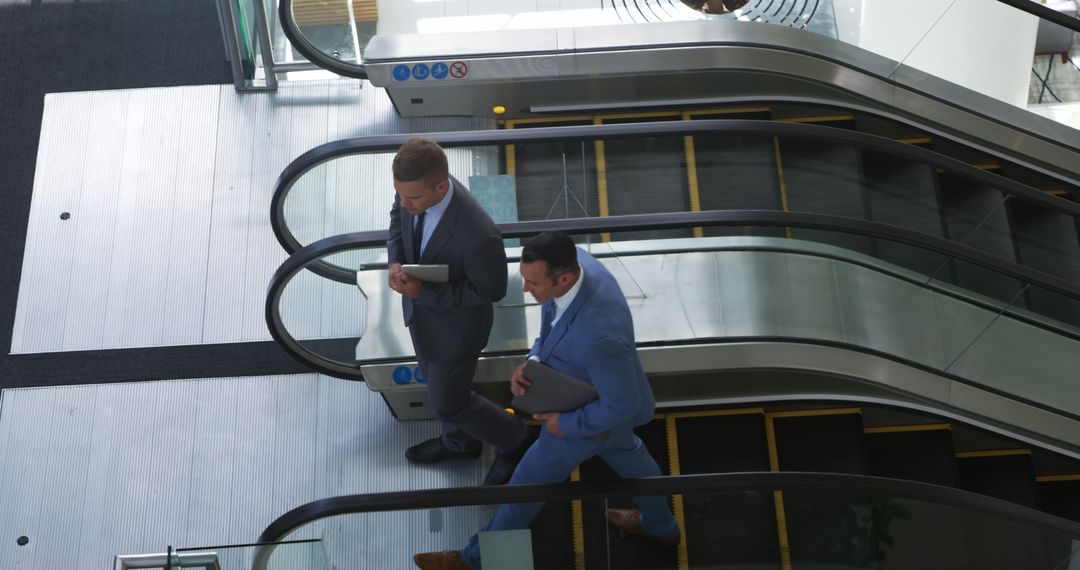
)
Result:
{"points": [[586, 332]]}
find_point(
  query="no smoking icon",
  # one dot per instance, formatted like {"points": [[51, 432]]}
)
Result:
{"points": [[458, 69]]}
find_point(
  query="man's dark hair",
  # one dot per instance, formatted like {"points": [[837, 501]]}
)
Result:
{"points": [[421, 159], [556, 249]]}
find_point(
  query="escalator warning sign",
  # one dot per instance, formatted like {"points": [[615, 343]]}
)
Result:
{"points": [[459, 69]]}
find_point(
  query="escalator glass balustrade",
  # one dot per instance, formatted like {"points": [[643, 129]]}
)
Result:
{"points": [[736, 520]]}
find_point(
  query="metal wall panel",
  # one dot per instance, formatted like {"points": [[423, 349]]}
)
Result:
{"points": [[99, 470], [169, 239]]}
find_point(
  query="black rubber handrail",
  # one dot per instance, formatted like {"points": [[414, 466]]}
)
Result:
{"points": [[306, 257], [384, 143], [858, 485], [1044, 13], [312, 53]]}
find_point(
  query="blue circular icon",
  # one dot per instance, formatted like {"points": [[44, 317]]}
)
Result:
{"points": [[419, 377], [401, 72], [420, 71], [439, 70], [402, 375]]}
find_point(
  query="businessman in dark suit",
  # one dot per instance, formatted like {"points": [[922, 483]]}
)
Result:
{"points": [[435, 220], [586, 331]]}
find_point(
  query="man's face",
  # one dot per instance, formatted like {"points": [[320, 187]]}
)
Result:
{"points": [[417, 196], [535, 281]]}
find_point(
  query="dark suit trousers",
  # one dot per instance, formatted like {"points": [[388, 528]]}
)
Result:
{"points": [[467, 418]]}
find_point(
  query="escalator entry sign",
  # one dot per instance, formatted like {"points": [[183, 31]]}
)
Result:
{"points": [[402, 375], [401, 72], [459, 69]]}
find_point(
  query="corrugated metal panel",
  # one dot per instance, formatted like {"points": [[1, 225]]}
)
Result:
{"points": [[169, 241], [95, 471], [47, 260]]}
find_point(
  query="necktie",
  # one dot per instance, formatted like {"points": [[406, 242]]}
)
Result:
{"points": [[545, 320], [418, 234]]}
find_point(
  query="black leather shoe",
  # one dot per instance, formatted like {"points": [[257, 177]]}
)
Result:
{"points": [[433, 451], [503, 467], [628, 521]]}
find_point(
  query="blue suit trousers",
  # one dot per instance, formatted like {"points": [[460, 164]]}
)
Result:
{"points": [[552, 459]]}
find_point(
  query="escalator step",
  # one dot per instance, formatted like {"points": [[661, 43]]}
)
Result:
{"points": [[1008, 477], [1047, 241], [975, 216], [604, 546], [722, 443], [825, 179], [548, 187], [552, 537], [737, 172], [1011, 545], [831, 443], [1061, 498], [927, 456], [646, 175], [726, 530], [819, 527], [903, 193]]}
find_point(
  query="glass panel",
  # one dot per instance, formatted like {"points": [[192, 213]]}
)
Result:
{"points": [[299, 555], [752, 528]]}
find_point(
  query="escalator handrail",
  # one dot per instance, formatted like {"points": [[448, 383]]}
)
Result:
{"points": [[304, 258], [359, 145], [668, 485], [1043, 13], [312, 53]]}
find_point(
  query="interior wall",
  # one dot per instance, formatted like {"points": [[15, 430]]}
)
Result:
{"points": [[984, 46]]}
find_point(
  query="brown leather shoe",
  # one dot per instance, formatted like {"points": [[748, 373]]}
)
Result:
{"points": [[445, 560], [628, 521]]}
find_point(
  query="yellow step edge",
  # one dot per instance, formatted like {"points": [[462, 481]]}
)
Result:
{"points": [[818, 119], [1056, 478], [987, 166], [807, 413], [916, 140], [1057, 191], [578, 526], [637, 115], [709, 413], [778, 496], [726, 111], [677, 500], [993, 453], [917, 427], [511, 123]]}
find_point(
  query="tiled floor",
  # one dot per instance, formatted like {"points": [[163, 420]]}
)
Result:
{"points": [[1063, 84]]}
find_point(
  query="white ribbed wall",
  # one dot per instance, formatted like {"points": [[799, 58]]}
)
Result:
{"points": [[169, 239], [90, 472]]}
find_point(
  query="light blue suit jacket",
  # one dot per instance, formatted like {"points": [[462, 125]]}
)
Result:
{"points": [[594, 341]]}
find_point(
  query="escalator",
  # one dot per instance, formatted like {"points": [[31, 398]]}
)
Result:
{"points": [[734, 520], [856, 315]]}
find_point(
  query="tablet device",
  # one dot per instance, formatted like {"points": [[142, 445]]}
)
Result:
{"points": [[428, 273], [552, 391]]}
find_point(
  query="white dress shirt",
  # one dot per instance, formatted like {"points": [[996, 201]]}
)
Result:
{"points": [[433, 215]]}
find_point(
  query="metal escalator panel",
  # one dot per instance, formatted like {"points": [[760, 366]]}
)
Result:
{"points": [[692, 299], [770, 520]]}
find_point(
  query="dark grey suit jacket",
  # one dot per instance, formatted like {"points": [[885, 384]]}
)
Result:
{"points": [[451, 321]]}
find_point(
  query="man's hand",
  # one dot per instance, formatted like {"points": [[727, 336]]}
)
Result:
{"points": [[410, 286], [551, 420], [519, 383], [395, 279]]}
